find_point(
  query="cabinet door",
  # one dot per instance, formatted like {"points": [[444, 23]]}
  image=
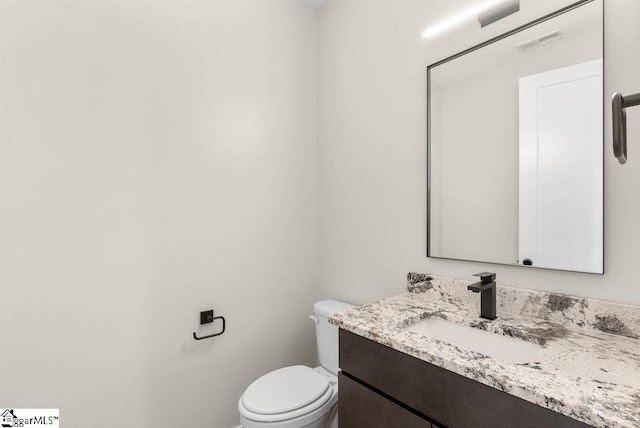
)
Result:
{"points": [[359, 407]]}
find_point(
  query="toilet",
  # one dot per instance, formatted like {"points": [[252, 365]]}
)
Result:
{"points": [[299, 396]]}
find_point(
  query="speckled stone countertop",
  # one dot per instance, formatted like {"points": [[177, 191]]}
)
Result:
{"points": [[588, 367]]}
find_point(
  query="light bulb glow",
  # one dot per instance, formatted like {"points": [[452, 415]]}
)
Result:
{"points": [[469, 13]]}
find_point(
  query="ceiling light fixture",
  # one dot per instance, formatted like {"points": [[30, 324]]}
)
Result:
{"points": [[501, 8]]}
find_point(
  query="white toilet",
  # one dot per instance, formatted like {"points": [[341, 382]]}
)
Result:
{"points": [[299, 396]]}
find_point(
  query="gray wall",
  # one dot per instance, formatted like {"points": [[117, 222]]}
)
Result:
{"points": [[157, 158]]}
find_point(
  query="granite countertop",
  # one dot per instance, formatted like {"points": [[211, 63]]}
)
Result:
{"points": [[588, 367]]}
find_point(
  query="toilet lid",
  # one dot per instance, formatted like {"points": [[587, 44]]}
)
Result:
{"points": [[285, 390]]}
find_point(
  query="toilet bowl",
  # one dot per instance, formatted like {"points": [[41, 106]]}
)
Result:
{"points": [[291, 397], [299, 396]]}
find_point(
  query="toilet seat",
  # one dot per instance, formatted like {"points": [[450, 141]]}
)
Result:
{"points": [[287, 393]]}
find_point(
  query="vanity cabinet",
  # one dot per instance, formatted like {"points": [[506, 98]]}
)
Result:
{"points": [[363, 407], [376, 379]]}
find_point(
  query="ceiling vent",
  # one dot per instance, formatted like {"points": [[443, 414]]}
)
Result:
{"points": [[539, 41]]}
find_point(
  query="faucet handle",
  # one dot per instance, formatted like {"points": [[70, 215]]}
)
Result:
{"points": [[486, 277]]}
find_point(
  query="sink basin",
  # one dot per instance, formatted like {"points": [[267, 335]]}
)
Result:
{"points": [[472, 339]]}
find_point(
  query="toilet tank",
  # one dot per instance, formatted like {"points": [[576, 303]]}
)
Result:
{"points": [[327, 334]]}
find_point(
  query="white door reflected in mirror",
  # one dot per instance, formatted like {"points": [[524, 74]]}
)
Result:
{"points": [[561, 167]]}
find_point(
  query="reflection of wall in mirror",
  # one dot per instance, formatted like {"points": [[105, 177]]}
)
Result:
{"points": [[435, 171], [479, 170]]}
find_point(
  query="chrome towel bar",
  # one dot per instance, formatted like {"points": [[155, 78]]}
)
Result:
{"points": [[619, 103]]}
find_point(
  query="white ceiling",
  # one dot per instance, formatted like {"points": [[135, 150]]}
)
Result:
{"points": [[315, 3]]}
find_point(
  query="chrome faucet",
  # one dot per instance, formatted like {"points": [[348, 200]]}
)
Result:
{"points": [[487, 289]]}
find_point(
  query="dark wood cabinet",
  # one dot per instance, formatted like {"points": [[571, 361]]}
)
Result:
{"points": [[359, 406], [437, 395]]}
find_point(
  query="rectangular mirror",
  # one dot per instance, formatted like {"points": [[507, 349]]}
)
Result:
{"points": [[515, 146]]}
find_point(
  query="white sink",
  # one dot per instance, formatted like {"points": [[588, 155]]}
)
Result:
{"points": [[472, 339]]}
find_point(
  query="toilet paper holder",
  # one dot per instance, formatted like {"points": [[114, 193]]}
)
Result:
{"points": [[206, 317]]}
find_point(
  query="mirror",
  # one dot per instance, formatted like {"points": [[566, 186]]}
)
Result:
{"points": [[515, 146]]}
